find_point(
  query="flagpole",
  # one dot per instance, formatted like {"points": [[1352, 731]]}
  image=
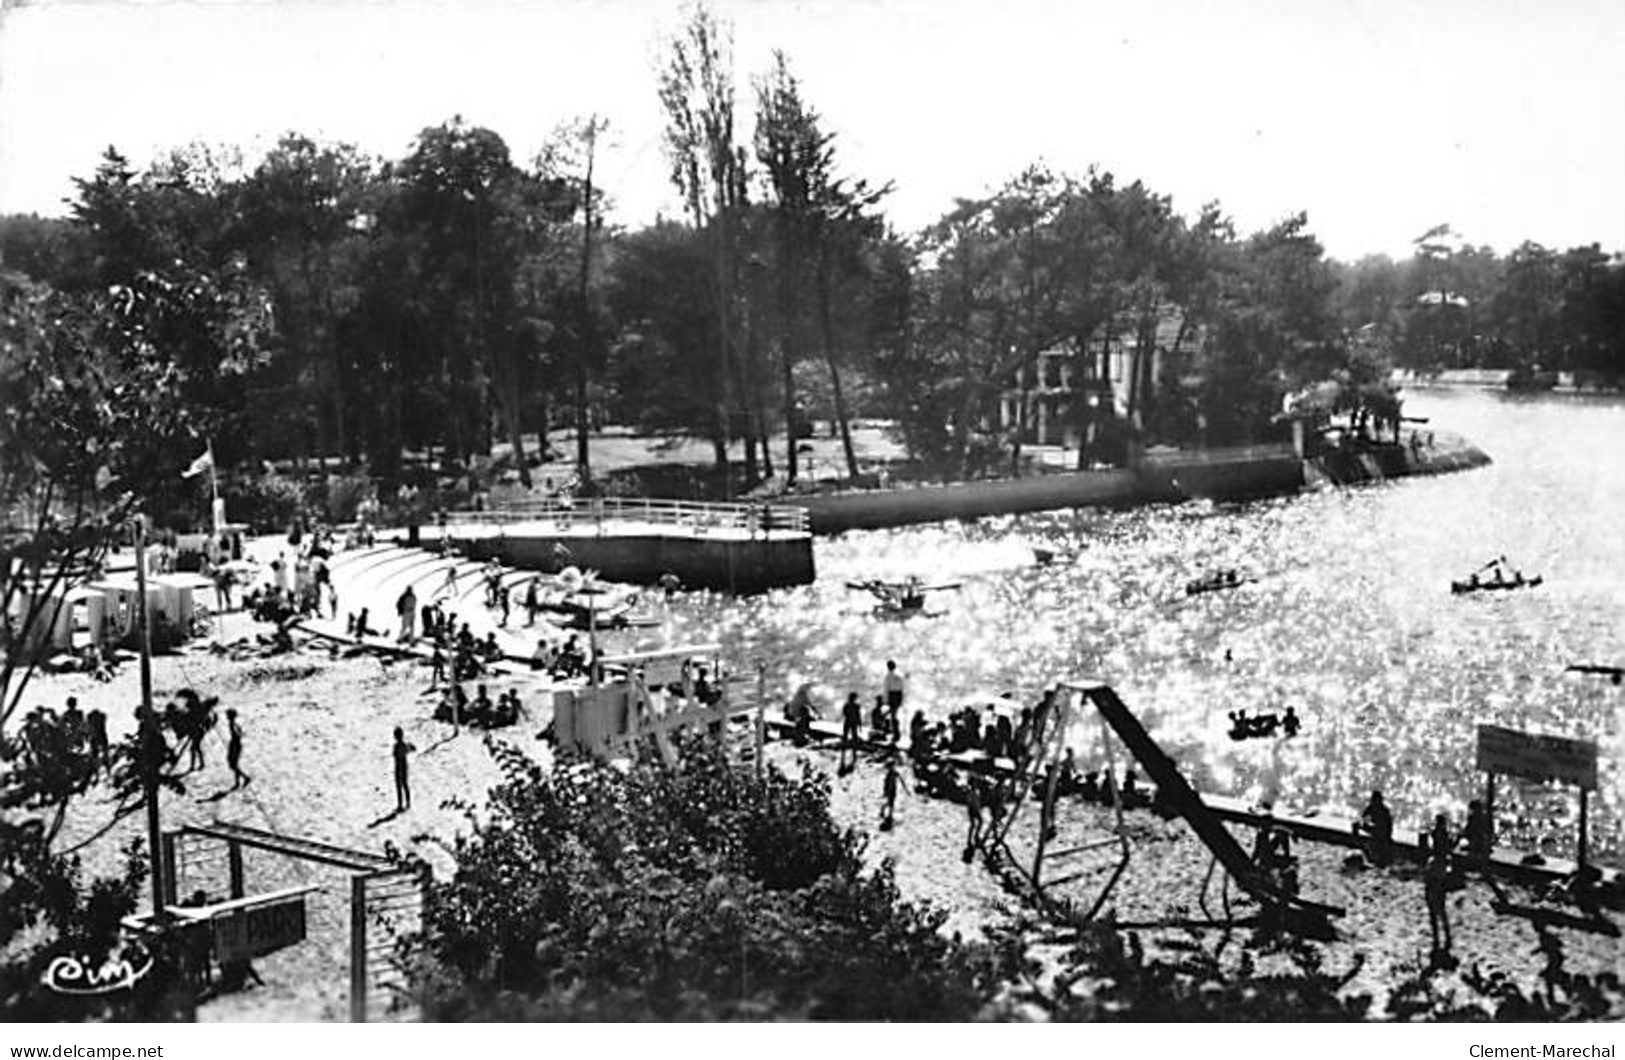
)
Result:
{"points": [[216, 520]]}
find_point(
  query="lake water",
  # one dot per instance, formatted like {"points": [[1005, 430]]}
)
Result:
{"points": [[1351, 622]]}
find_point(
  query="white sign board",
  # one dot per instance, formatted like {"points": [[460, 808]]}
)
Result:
{"points": [[257, 930], [1536, 757]]}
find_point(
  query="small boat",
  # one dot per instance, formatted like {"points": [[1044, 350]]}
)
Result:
{"points": [[1476, 584], [1615, 674], [900, 599], [1218, 581], [582, 602], [571, 614]]}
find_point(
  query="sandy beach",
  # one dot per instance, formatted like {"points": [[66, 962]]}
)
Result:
{"points": [[317, 730]]}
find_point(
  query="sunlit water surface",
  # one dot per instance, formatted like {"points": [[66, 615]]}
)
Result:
{"points": [[1352, 621]]}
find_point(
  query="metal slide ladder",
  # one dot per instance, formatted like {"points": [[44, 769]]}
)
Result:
{"points": [[1040, 774], [1290, 911]]}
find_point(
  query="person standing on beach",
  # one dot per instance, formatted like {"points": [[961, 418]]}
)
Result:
{"points": [[96, 735], [407, 608], [437, 663], [1435, 888], [894, 694], [322, 581], [973, 815], [851, 720], [851, 732], [1377, 822], [888, 795], [533, 602], [222, 587], [1479, 833], [403, 786], [234, 751]]}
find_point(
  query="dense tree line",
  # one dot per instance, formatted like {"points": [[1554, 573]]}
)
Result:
{"points": [[437, 305], [1453, 305]]}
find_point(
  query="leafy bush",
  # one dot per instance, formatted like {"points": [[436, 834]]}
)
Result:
{"points": [[1109, 977], [339, 496], [1565, 996], [701, 892], [269, 502]]}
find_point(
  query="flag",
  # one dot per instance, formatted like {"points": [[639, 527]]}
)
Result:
{"points": [[204, 462]]}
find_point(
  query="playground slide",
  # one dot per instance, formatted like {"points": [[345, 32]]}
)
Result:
{"points": [[1183, 798]]}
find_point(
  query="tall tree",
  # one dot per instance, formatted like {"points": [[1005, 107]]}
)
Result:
{"points": [[299, 216], [587, 338], [796, 158], [697, 92], [568, 165], [457, 186], [660, 376]]}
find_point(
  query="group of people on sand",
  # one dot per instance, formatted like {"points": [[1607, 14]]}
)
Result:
{"points": [[988, 730], [1476, 840], [481, 712], [73, 745], [562, 662], [1446, 855], [295, 588]]}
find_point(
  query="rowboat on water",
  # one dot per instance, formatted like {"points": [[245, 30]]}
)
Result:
{"points": [[1218, 581], [1492, 576], [1475, 584]]}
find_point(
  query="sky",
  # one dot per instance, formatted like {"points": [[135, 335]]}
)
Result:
{"points": [[1379, 118]]}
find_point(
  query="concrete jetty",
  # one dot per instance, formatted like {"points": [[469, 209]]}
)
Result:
{"points": [[739, 548]]}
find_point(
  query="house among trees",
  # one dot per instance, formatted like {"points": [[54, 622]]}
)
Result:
{"points": [[1066, 396]]}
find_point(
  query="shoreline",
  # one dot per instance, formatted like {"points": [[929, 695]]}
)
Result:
{"points": [[1220, 475], [317, 727], [1495, 380]]}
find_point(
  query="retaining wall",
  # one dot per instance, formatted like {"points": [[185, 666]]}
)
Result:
{"points": [[736, 565], [872, 509], [1241, 473]]}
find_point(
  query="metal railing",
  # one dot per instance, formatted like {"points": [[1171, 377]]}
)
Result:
{"points": [[697, 517]]}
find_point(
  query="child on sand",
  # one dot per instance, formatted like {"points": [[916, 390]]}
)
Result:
{"points": [[888, 795], [403, 786], [234, 751]]}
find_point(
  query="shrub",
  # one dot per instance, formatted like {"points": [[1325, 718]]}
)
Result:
{"points": [[700, 892], [269, 502], [339, 496]]}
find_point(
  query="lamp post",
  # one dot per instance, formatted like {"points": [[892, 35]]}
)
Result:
{"points": [[150, 736]]}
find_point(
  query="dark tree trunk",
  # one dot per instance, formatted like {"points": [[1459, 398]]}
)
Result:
{"points": [[787, 345], [826, 329], [583, 426]]}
